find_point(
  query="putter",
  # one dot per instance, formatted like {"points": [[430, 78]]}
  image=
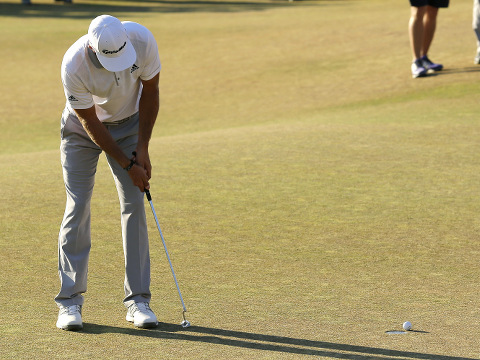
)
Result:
{"points": [[185, 323]]}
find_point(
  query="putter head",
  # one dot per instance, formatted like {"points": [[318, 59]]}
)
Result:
{"points": [[185, 323]]}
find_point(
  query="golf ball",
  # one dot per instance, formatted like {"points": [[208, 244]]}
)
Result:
{"points": [[407, 326]]}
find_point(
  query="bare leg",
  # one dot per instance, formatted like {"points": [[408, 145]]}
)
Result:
{"points": [[416, 31], [429, 25]]}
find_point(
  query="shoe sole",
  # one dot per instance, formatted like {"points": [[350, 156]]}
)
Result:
{"points": [[147, 325], [419, 75], [71, 327]]}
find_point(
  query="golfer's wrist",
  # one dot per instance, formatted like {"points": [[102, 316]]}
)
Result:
{"points": [[130, 165]]}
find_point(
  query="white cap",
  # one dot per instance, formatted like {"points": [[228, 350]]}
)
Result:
{"points": [[109, 39]]}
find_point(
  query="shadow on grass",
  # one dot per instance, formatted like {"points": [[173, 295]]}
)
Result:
{"points": [[88, 10], [464, 70], [266, 342], [468, 69]]}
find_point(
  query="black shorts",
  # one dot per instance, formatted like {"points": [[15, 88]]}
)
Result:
{"points": [[434, 3]]}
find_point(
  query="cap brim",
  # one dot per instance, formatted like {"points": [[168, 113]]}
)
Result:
{"points": [[119, 63]]}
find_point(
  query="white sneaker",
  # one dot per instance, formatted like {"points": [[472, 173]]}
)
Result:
{"points": [[141, 315], [417, 69], [476, 61], [70, 318]]}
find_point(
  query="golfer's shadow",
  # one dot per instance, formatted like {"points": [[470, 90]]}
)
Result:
{"points": [[267, 342]]}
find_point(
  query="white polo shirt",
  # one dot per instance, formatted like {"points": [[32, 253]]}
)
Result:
{"points": [[115, 94]]}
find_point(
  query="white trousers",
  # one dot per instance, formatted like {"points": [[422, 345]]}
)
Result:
{"points": [[79, 157]]}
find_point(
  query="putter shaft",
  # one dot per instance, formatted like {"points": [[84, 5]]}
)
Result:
{"points": [[149, 198]]}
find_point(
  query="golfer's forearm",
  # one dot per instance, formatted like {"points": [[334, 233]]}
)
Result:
{"points": [[104, 140], [149, 106], [100, 136], [148, 110]]}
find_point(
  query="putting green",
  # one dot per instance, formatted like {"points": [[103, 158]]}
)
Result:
{"points": [[312, 195]]}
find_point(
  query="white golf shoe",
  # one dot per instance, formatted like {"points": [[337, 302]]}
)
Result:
{"points": [[141, 315], [70, 318]]}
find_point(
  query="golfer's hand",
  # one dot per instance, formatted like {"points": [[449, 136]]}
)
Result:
{"points": [[139, 177], [142, 158]]}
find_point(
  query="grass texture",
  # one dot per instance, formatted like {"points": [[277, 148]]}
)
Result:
{"points": [[312, 195]]}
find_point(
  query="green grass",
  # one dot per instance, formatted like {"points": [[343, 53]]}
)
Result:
{"points": [[312, 195]]}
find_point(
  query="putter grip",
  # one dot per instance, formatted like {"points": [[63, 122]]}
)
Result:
{"points": [[149, 197]]}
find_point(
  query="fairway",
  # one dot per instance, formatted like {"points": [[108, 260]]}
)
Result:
{"points": [[312, 195]]}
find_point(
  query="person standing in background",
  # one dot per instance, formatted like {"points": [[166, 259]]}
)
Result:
{"points": [[28, 2], [476, 28], [421, 29]]}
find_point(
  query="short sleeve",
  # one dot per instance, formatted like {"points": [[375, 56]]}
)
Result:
{"points": [[77, 95], [152, 59]]}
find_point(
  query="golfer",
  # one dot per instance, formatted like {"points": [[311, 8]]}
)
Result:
{"points": [[110, 78]]}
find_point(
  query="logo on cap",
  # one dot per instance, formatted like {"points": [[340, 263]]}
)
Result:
{"points": [[114, 51]]}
